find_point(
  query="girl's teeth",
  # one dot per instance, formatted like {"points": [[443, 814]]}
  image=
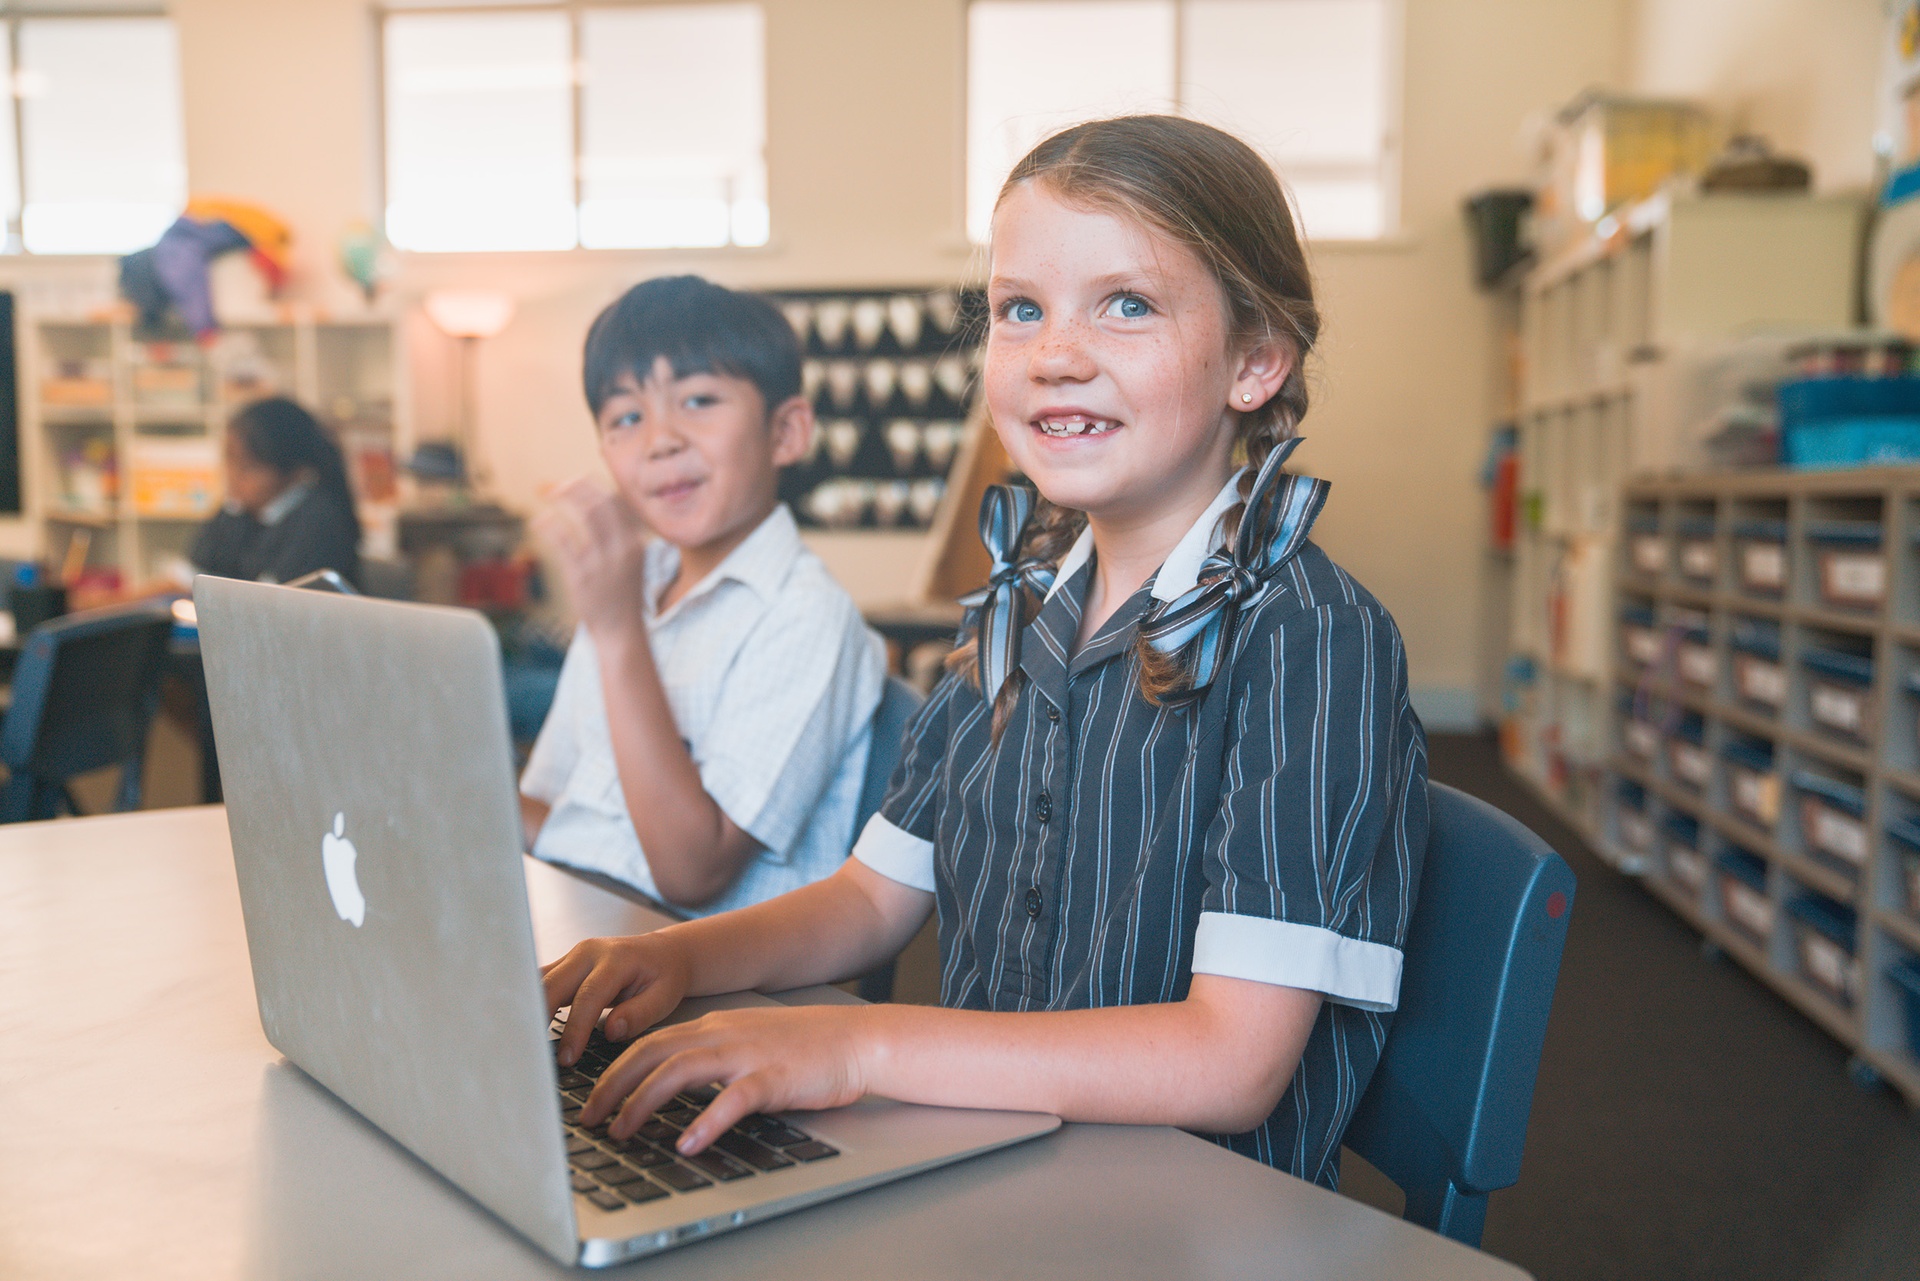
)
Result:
{"points": [[1076, 427]]}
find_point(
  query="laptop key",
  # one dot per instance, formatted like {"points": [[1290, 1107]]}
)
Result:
{"points": [[775, 1134], [659, 1131], [680, 1178], [614, 1175], [606, 1200], [719, 1165], [641, 1191], [681, 1117], [646, 1158], [570, 1113], [594, 1160], [811, 1150], [581, 1183], [740, 1147], [576, 1145], [575, 1081]]}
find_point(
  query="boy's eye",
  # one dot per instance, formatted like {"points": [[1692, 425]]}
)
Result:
{"points": [[702, 400], [629, 419], [1129, 307], [1021, 310]]}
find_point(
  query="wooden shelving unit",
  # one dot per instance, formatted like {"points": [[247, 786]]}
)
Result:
{"points": [[1605, 333], [1872, 519], [123, 436]]}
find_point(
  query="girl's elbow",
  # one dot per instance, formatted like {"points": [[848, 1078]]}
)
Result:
{"points": [[1244, 1108]]}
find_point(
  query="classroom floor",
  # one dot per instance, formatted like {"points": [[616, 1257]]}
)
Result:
{"points": [[1688, 1124]]}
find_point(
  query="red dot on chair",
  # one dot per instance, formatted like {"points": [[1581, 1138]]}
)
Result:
{"points": [[1556, 905]]}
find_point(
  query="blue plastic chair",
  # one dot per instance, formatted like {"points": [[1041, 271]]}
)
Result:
{"points": [[84, 694], [1445, 1116], [898, 702]]}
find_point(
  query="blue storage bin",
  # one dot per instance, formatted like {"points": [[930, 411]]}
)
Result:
{"points": [[1849, 422], [1906, 977], [1906, 834], [1852, 566], [1759, 677], [1743, 893], [1685, 863], [1760, 556], [1840, 693], [1698, 554], [1825, 933], [1756, 636], [1833, 821], [1752, 785]]}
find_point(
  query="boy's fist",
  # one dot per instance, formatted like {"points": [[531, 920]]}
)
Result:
{"points": [[600, 544]]}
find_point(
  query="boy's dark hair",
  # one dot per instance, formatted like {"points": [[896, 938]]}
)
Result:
{"points": [[701, 328]]}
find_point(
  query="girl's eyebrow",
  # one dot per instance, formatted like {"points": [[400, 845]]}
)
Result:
{"points": [[1138, 281]]}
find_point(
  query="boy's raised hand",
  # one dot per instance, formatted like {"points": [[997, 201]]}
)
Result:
{"points": [[637, 980], [601, 545]]}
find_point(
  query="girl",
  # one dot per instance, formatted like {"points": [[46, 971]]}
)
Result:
{"points": [[289, 509], [1170, 804]]}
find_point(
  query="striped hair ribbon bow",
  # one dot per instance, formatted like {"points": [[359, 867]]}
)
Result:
{"points": [[1279, 513], [1003, 515]]}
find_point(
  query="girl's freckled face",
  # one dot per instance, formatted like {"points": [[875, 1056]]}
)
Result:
{"points": [[1108, 365]]}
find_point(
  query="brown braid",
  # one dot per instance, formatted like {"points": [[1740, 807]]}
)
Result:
{"points": [[1205, 189]]}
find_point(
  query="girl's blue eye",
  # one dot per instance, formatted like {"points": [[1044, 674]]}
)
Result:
{"points": [[1129, 307], [1023, 311]]}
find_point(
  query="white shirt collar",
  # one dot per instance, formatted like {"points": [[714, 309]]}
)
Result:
{"points": [[761, 562], [288, 499], [1181, 569]]}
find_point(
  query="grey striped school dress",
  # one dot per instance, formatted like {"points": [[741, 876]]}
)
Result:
{"points": [[1106, 849]]}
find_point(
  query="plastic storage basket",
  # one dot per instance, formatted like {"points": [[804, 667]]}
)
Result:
{"points": [[1906, 838], [1696, 551], [1646, 545], [1906, 978], [1824, 932], [1693, 658], [1640, 637], [1685, 863], [1849, 422], [1687, 757], [1631, 819], [1759, 677], [1753, 786]]}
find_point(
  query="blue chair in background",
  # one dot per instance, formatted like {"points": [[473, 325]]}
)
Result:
{"points": [[1445, 1116], [85, 691], [898, 702]]}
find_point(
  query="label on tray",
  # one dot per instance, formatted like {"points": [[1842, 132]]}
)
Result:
{"points": [[1837, 708], [1692, 764], [1642, 739], [1763, 566], [1696, 664], [1827, 964], [1855, 578], [1689, 868], [1839, 835], [1697, 560], [1650, 554], [1643, 645], [1749, 908], [1756, 793], [1760, 681], [1636, 829]]}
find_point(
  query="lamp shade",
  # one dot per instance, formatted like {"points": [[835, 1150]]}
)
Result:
{"points": [[469, 313]]}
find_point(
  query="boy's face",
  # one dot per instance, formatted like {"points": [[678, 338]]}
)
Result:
{"points": [[697, 456]]}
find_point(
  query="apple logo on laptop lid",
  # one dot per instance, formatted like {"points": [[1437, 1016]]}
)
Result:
{"points": [[337, 857]]}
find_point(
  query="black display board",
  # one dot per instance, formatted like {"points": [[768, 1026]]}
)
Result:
{"points": [[9, 409]]}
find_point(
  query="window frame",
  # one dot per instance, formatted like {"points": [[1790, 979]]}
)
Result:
{"points": [[576, 105], [14, 246], [1392, 108]]}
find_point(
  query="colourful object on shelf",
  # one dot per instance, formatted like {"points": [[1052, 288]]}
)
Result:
{"points": [[1849, 422], [172, 275]]}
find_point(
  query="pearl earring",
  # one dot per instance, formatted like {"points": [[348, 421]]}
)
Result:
{"points": [[1246, 398]]}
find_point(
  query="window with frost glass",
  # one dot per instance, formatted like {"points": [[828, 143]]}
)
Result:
{"points": [[101, 167], [606, 127], [1309, 83]]}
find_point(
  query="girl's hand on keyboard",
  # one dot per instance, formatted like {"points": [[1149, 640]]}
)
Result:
{"points": [[767, 1060], [637, 980]]}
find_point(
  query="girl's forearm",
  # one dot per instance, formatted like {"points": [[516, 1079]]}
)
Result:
{"points": [[1218, 1061], [835, 929]]}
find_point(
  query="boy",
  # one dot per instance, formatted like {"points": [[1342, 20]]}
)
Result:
{"points": [[709, 735]]}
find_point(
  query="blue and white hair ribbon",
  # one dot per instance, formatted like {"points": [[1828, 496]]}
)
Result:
{"points": [[1003, 516], [1274, 524]]}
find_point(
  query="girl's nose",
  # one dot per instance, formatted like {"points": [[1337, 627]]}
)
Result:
{"points": [[1061, 353]]}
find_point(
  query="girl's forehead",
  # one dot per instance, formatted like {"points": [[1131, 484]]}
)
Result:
{"points": [[1038, 229]]}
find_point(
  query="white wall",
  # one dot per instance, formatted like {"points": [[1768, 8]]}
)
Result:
{"points": [[1803, 73], [865, 154]]}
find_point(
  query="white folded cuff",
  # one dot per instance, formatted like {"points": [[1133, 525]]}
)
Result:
{"points": [[896, 854], [1288, 954]]}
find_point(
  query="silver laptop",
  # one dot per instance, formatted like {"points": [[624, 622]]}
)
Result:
{"points": [[376, 831]]}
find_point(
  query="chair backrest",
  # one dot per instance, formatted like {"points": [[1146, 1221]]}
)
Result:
{"points": [[898, 702], [1445, 1116], [84, 693]]}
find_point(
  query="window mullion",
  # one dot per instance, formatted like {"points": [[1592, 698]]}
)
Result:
{"points": [[16, 238], [576, 71]]}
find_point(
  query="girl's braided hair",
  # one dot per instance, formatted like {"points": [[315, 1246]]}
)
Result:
{"points": [[1203, 188]]}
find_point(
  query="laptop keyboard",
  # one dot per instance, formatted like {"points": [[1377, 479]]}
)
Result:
{"points": [[615, 1173]]}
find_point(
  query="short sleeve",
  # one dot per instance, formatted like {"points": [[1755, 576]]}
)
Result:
{"points": [[556, 749], [797, 699], [898, 841], [1313, 859]]}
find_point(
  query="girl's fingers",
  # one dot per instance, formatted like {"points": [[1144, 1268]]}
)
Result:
{"points": [[641, 1011], [743, 1096], [592, 996], [562, 979], [695, 1066]]}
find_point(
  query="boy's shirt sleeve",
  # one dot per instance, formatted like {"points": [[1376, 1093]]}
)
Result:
{"points": [[796, 700], [1313, 861], [556, 749], [897, 842]]}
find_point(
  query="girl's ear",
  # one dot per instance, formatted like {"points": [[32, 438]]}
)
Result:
{"points": [[1263, 371], [791, 426]]}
